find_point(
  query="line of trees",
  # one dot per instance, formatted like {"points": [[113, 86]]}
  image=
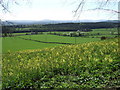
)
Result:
{"points": [[85, 27]]}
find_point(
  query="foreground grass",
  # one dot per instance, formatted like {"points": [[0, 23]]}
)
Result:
{"points": [[89, 65]]}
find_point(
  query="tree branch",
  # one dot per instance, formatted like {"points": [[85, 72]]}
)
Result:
{"points": [[110, 10]]}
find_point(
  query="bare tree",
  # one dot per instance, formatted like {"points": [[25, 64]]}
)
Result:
{"points": [[81, 4], [101, 5], [5, 4]]}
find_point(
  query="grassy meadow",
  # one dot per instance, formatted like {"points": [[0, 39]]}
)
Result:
{"points": [[62, 39], [12, 44], [45, 61], [17, 44], [20, 44]]}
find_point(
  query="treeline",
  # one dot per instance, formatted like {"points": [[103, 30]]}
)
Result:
{"points": [[76, 26], [57, 27]]}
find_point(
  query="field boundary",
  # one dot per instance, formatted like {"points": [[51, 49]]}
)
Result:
{"points": [[44, 41]]}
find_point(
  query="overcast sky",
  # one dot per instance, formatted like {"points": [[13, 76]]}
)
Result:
{"points": [[57, 10]]}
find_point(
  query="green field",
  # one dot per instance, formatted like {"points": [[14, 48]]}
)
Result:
{"points": [[53, 61], [63, 39], [101, 31], [105, 31], [16, 44], [87, 65]]}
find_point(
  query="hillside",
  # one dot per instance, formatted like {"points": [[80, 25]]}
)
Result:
{"points": [[88, 65]]}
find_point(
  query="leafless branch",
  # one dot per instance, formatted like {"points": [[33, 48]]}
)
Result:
{"points": [[6, 3], [102, 3], [79, 6], [110, 10]]}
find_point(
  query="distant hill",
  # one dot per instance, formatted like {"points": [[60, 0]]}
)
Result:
{"points": [[29, 22]]}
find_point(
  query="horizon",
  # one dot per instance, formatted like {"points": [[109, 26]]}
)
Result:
{"points": [[65, 20], [30, 22]]}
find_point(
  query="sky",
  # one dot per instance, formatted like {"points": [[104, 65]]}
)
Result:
{"points": [[57, 10]]}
